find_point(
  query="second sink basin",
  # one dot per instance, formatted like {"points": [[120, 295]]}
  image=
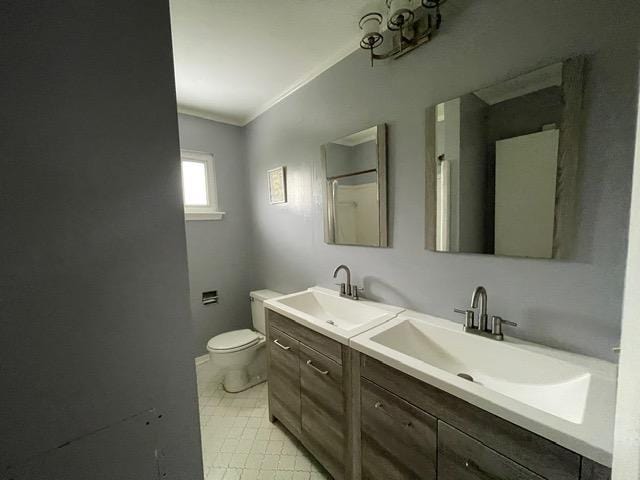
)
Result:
{"points": [[565, 397], [326, 312], [543, 382]]}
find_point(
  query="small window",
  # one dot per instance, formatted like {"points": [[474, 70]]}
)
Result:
{"points": [[199, 187]]}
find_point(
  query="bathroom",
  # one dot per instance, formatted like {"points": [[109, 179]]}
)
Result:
{"points": [[570, 302], [269, 278]]}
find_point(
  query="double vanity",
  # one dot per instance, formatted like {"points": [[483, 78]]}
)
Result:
{"points": [[378, 392]]}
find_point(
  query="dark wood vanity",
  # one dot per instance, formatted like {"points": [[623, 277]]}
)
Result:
{"points": [[310, 391], [362, 419]]}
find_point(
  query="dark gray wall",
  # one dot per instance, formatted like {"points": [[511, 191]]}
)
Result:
{"points": [[95, 337], [219, 250], [574, 305], [473, 174]]}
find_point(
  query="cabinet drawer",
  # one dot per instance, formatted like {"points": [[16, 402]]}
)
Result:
{"points": [[318, 342], [284, 378], [460, 457], [323, 410], [398, 439]]}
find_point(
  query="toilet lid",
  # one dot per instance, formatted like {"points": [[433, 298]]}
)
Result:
{"points": [[236, 339]]}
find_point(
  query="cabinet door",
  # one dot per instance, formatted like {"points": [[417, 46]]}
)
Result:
{"points": [[594, 471], [398, 439], [323, 410], [460, 457], [284, 379]]}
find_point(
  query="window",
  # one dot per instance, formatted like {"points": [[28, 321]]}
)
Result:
{"points": [[199, 186]]}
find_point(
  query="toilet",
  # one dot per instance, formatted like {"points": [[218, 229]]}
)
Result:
{"points": [[239, 355]]}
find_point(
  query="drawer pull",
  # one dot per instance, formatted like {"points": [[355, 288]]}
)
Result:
{"points": [[380, 407], [321, 372], [472, 466], [284, 347]]}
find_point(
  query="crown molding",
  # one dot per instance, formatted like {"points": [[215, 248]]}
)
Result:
{"points": [[208, 115]]}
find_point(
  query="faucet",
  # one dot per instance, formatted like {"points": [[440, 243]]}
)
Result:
{"points": [[481, 294], [479, 300], [346, 289]]}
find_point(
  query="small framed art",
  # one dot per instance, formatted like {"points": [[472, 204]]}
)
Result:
{"points": [[277, 185]]}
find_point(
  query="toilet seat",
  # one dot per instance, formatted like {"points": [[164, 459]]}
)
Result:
{"points": [[233, 341]]}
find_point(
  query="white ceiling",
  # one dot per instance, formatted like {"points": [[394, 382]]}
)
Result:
{"points": [[234, 59]]}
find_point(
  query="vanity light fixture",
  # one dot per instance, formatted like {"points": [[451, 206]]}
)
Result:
{"points": [[408, 27]]}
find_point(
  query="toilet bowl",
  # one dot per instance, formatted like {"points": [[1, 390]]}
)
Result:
{"points": [[239, 355]]}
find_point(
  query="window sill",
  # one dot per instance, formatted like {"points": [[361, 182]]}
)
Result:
{"points": [[204, 216]]}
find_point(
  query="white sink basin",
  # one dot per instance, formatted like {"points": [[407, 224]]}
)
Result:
{"points": [[328, 313], [543, 382], [565, 397]]}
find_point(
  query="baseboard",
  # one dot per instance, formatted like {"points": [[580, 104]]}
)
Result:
{"points": [[202, 359]]}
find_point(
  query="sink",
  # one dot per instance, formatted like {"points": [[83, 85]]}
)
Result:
{"points": [[326, 312], [566, 397], [545, 383]]}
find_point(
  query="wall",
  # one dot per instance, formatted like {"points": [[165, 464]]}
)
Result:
{"points": [[95, 339], [473, 173], [575, 304], [626, 453], [219, 251]]}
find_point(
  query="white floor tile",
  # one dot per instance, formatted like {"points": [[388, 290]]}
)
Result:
{"points": [[270, 462], [287, 462], [254, 461]]}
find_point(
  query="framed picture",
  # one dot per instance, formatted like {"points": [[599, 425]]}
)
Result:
{"points": [[277, 185]]}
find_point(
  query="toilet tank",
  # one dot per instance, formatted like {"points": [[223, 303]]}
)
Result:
{"points": [[257, 307]]}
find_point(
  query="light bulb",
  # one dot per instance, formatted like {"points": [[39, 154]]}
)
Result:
{"points": [[400, 13], [370, 26]]}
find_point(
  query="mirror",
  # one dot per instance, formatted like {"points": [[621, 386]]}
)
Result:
{"points": [[355, 189], [501, 166]]}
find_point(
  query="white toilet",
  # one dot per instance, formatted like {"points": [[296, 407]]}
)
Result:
{"points": [[239, 355]]}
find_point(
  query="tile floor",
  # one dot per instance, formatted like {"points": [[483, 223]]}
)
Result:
{"points": [[239, 442]]}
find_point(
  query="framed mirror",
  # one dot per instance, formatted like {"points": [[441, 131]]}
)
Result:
{"points": [[355, 188], [501, 166]]}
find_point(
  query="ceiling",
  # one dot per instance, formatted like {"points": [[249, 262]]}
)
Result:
{"points": [[234, 59]]}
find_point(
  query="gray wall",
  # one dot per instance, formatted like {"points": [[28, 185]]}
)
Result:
{"points": [[219, 250], [95, 338], [574, 305], [473, 174]]}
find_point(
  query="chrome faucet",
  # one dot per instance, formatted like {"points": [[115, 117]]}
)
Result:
{"points": [[346, 289], [479, 300], [481, 294]]}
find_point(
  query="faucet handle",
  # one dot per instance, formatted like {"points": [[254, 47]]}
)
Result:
{"points": [[497, 322], [356, 291], [343, 288], [468, 317]]}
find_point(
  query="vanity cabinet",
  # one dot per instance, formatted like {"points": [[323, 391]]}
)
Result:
{"points": [[469, 443], [309, 391], [362, 419]]}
